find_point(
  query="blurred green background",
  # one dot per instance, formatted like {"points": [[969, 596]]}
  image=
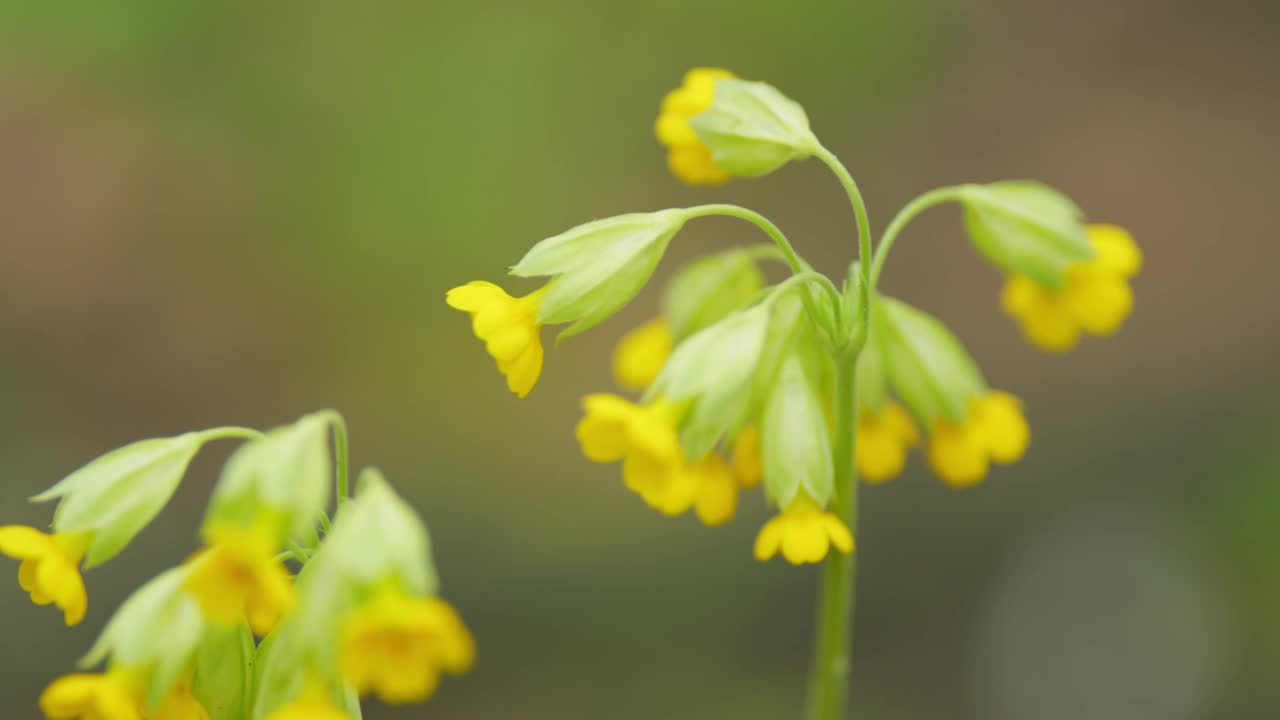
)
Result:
{"points": [[238, 212]]}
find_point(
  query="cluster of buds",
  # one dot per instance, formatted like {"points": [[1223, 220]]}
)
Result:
{"points": [[282, 615], [797, 383]]}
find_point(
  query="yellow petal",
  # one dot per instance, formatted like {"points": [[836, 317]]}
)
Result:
{"points": [[957, 453], [999, 418], [1116, 250], [748, 464], [769, 539], [1100, 304], [641, 353], [18, 541], [717, 498]]}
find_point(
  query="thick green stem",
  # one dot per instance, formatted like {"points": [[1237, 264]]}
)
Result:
{"points": [[904, 216], [833, 642]]}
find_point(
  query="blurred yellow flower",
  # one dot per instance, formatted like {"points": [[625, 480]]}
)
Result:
{"points": [[50, 567], [880, 452], [397, 646], [180, 705], [1095, 298], [995, 430], [687, 157], [91, 696], [748, 464], [803, 532], [237, 578], [641, 353], [716, 500], [313, 704], [644, 438], [509, 328]]}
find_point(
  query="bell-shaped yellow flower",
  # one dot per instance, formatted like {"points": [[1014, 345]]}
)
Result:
{"points": [[1095, 297], [716, 500], [644, 438], [509, 328], [396, 646], [883, 439], [50, 567], [92, 696], [803, 532], [688, 158], [748, 463], [180, 705], [237, 578], [313, 704], [641, 353], [995, 430]]}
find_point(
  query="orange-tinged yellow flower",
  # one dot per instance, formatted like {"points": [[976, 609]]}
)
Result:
{"points": [[509, 328], [803, 532], [748, 463], [688, 158], [313, 704], [641, 353], [50, 567], [644, 438], [880, 452], [180, 705], [1095, 297], [237, 578], [716, 499], [92, 696], [397, 645], [995, 430]]}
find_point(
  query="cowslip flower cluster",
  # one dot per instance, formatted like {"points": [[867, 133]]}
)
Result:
{"points": [[800, 385], [283, 614]]}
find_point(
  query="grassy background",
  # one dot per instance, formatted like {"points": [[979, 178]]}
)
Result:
{"points": [[239, 212]]}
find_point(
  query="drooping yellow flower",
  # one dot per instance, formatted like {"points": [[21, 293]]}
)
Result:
{"points": [[644, 438], [717, 495], [313, 704], [880, 452], [687, 157], [396, 646], [804, 532], [180, 705], [509, 328], [995, 430], [50, 567], [641, 353], [1095, 298], [238, 578], [92, 696], [748, 463]]}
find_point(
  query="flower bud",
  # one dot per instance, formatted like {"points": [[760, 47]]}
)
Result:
{"points": [[1026, 228], [796, 442], [598, 267], [710, 288], [753, 129]]}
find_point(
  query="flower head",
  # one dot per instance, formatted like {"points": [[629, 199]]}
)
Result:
{"points": [[237, 578], [804, 532], [644, 438], [313, 704], [1095, 297], [641, 353], [91, 696], [994, 430], [50, 567], [396, 646], [689, 159], [509, 328], [882, 442]]}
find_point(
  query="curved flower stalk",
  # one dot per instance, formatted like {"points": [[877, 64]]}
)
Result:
{"points": [[798, 386], [344, 608]]}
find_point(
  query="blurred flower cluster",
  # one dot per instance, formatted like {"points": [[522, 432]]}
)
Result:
{"points": [[281, 615]]}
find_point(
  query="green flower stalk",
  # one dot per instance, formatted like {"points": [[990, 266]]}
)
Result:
{"points": [[800, 386]]}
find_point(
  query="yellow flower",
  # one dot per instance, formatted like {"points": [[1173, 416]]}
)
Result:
{"points": [[748, 463], [687, 157], [804, 532], [1095, 298], [50, 567], [313, 704], [237, 578], [397, 646], [882, 442], [644, 438], [509, 328], [717, 495], [641, 353], [180, 705], [994, 431], [92, 696]]}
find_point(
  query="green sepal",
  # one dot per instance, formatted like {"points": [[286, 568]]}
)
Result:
{"points": [[753, 129], [223, 672], [795, 439], [871, 375], [121, 492], [287, 473], [598, 267], [708, 289], [927, 366], [378, 535], [1026, 228]]}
